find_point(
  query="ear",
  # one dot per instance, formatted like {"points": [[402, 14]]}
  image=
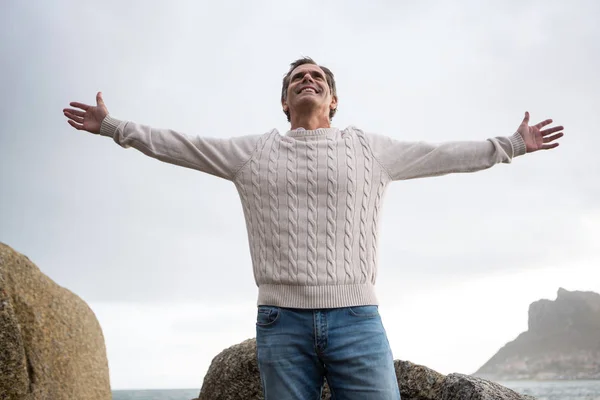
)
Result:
{"points": [[284, 105], [334, 103]]}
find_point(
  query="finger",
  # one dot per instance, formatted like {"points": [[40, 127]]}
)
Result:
{"points": [[549, 139], [99, 99], [549, 146], [74, 112], [75, 125], [543, 123], [551, 130], [526, 118], [73, 116], [79, 105]]}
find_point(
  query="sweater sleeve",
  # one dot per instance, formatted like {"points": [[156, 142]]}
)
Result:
{"points": [[215, 156], [409, 160]]}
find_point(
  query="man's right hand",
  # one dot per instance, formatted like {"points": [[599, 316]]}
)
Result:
{"points": [[90, 118]]}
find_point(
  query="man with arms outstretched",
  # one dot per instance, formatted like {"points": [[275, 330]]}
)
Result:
{"points": [[312, 199]]}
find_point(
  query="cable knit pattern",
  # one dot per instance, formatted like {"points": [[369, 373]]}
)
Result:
{"points": [[312, 199], [311, 177], [292, 201], [248, 216], [274, 210], [350, 192], [374, 225], [364, 209], [260, 222], [331, 209]]}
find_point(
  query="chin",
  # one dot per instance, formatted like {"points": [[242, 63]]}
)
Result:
{"points": [[303, 100]]}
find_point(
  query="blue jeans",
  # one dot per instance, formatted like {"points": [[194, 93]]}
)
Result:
{"points": [[298, 348]]}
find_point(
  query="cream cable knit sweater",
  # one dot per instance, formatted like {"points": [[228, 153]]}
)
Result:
{"points": [[312, 199]]}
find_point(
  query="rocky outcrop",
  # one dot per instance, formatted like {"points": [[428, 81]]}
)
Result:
{"points": [[233, 375], [562, 342], [51, 344]]}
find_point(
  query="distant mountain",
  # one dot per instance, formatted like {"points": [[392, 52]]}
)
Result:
{"points": [[562, 342]]}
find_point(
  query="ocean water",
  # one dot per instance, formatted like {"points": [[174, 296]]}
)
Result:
{"points": [[555, 390], [156, 394]]}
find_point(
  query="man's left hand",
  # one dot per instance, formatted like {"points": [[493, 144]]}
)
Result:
{"points": [[537, 139]]}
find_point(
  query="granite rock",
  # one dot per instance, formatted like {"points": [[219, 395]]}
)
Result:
{"points": [[233, 375], [51, 344]]}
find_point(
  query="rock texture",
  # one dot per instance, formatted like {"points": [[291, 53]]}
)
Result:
{"points": [[233, 375], [465, 387], [562, 342], [51, 344]]}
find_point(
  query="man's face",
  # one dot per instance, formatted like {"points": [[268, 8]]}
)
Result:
{"points": [[308, 89]]}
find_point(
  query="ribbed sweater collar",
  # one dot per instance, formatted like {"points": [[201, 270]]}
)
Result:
{"points": [[301, 132]]}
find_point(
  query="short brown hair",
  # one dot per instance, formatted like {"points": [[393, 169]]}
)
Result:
{"points": [[328, 75]]}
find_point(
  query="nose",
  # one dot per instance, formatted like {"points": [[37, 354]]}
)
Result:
{"points": [[307, 77]]}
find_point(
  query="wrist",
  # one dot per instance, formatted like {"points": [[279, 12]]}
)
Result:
{"points": [[518, 144], [109, 126]]}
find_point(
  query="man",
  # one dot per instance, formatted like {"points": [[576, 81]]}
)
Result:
{"points": [[311, 199]]}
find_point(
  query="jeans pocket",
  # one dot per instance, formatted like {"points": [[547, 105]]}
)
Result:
{"points": [[267, 315], [364, 311]]}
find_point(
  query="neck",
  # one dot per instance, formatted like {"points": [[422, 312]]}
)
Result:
{"points": [[310, 122]]}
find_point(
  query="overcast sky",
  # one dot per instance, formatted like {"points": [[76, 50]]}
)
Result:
{"points": [[160, 252]]}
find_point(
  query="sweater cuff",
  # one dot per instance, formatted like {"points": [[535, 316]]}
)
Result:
{"points": [[109, 126], [518, 144]]}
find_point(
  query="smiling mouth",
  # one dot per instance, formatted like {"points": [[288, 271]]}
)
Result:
{"points": [[309, 90]]}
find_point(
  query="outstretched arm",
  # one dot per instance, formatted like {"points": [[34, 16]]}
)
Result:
{"points": [[219, 157], [409, 160]]}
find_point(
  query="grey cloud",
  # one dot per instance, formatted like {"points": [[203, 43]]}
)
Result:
{"points": [[113, 225]]}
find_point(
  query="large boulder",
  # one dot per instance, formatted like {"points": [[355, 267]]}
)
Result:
{"points": [[51, 344], [233, 375], [465, 387]]}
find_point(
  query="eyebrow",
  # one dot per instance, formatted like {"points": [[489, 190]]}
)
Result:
{"points": [[313, 73]]}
